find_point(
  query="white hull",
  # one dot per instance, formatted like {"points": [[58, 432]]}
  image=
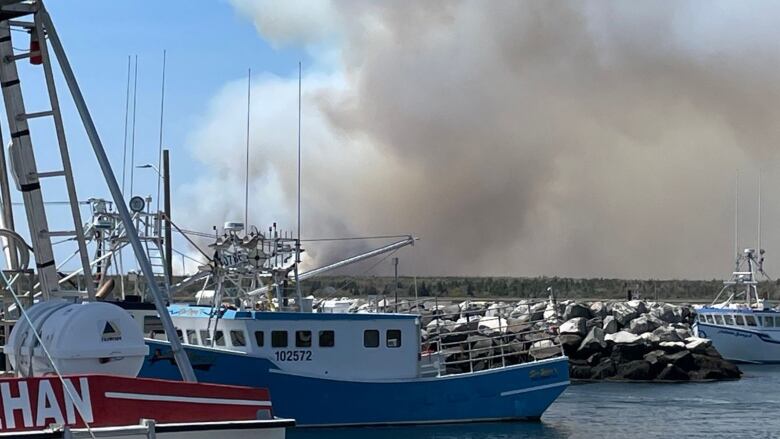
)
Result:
{"points": [[741, 344], [272, 429]]}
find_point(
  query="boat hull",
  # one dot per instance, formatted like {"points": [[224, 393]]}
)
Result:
{"points": [[270, 429], [741, 345], [518, 392]]}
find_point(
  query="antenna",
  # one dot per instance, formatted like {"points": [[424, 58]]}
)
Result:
{"points": [[246, 182], [159, 147], [736, 216], [758, 247], [127, 112], [132, 143], [298, 241]]}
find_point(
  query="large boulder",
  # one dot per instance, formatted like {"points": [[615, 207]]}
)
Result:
{"points": [[672, 373], [610, 325], [594, 342], [683, 359], [622, 337], [639, 370], [544, 349], [570, 343], [604, 369], [712, 368], [697, 345], [580, 372], [574, 310], [642, 324], [598, 309], [574, 326], [624, 313], [666, 333], [668, 313]]}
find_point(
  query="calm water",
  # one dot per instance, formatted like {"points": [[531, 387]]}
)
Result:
{"points": [[746, 408]]}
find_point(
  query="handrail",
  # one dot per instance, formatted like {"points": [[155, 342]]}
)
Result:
{"points": [[451, 354]]}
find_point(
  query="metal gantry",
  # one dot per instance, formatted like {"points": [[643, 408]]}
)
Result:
{"points": [[24, 169]]}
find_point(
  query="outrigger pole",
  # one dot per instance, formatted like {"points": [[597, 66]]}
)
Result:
{"points": [[182, 361]]}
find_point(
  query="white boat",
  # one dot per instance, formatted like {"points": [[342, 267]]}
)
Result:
{"points": [[743, 327]]}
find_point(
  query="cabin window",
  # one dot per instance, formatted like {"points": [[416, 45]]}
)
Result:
{"points": [[740, 320], [371, 338], [751, 321], [153, 324], [719, 319], [759, 320], [237, 338], [729, 319], [302, 339], [393, 338], [180, 335], [192, 336], [707, 318], [279, 339], [327, 339], [260, 338], [769, 321], [219, 338], [205, 338]]}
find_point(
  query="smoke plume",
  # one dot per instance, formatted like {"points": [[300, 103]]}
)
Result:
{"points": [[514, 138]]}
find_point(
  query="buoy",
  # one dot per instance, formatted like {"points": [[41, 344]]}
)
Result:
{"points": [[35, 48]]}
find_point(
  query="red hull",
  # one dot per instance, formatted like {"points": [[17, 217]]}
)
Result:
{"points": [[106, 401]]}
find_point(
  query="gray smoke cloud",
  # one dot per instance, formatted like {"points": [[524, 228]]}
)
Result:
{"points": [[515, 138]]}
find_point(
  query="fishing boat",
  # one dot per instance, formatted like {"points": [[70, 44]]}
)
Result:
{"points": [[353, 368], [72, 361], [743, 326]]}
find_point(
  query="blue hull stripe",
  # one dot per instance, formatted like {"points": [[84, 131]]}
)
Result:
{"points": [[763, 337], [510, 393]]}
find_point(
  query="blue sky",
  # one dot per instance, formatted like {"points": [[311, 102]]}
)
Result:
{"points": [[208, 45], [206, 48]]}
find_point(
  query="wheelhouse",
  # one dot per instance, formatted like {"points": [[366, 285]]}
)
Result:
{"points": [[739, 317], [345, 346]]}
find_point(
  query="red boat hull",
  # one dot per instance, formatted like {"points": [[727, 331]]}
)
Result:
{"points": [[31, 404]]}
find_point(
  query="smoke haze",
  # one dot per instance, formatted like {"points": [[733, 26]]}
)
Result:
{"points": [[514, 138]]}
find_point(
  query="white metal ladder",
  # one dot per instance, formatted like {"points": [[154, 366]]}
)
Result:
{"points": [[22, 155]]}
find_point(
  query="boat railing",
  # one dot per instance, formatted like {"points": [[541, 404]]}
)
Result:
{"points": [[474, 339]]}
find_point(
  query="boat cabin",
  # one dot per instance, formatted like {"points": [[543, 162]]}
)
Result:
{"points": [[383, 346]]}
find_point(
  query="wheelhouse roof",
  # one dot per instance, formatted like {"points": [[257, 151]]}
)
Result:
{"points": [[180, 310]]}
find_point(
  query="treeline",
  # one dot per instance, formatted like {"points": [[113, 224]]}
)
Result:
{"points": [[519, 287]]}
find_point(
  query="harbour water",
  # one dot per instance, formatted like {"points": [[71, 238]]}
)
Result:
{"points": [[730, 409]]}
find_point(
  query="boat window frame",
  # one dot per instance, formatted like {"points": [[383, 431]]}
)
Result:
{"points": [[719, 320], [260, 341], [279, 345], [750, 317], [205, 337], [300, 338], [707, 318], [180, 334], [769, 319], [388, 337], [729, 319], [369, 343], [219, 338], [323, 336], [192, 337], [242, 338], [739, 319]]}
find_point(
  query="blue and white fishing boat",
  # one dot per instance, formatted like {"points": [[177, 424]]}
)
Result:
{"points": [[743, 327], [339, 369]]}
